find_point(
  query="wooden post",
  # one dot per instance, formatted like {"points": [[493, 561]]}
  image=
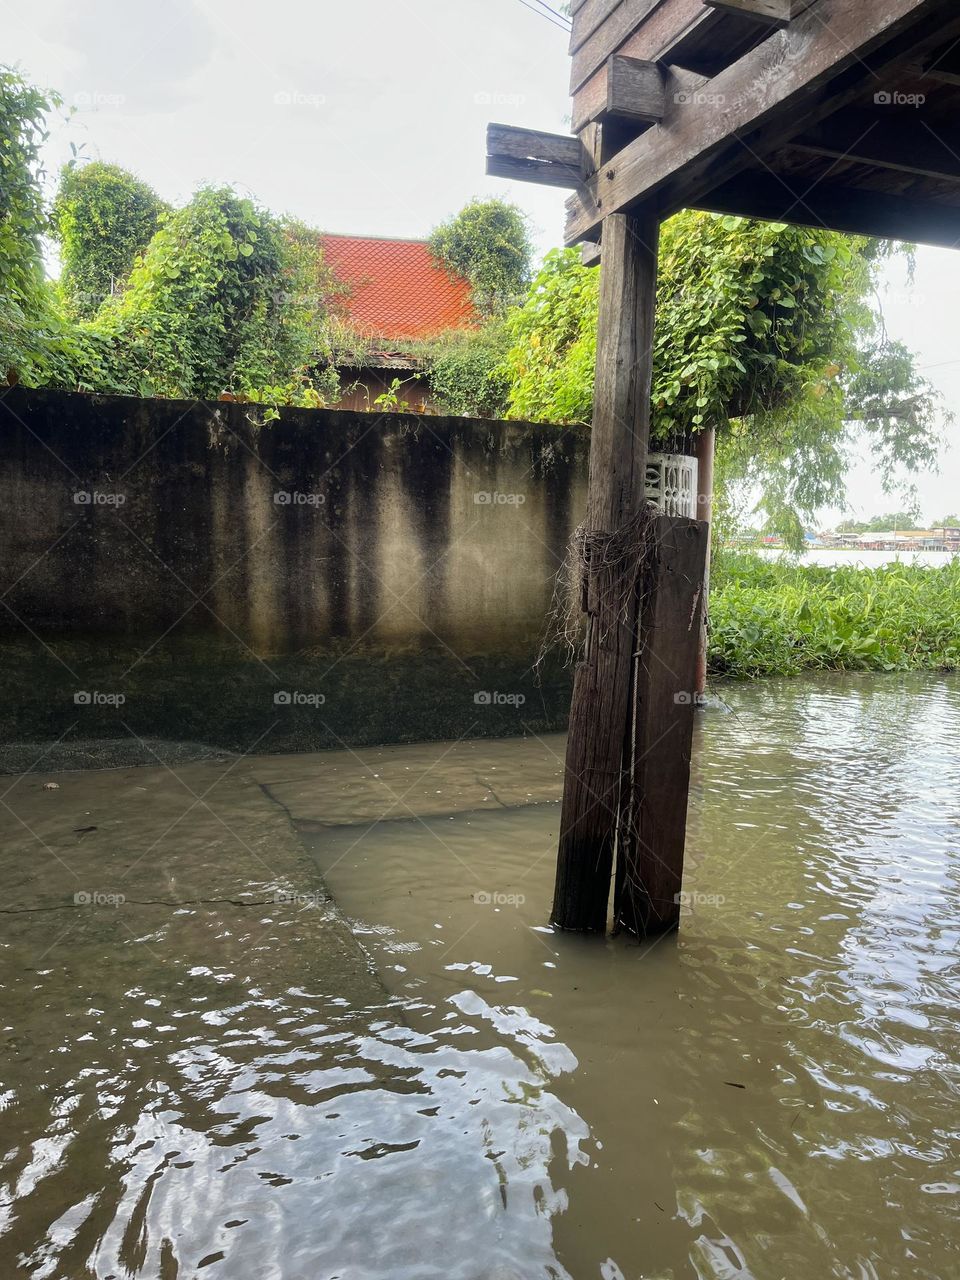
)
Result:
{"points": [[706, 445], [653, 832], [600, 712]]}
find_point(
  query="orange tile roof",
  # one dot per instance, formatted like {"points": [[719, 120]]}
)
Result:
{"points": [[396, 289]]}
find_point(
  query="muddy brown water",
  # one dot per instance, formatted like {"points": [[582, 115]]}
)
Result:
{"points": [[208, 1088]]}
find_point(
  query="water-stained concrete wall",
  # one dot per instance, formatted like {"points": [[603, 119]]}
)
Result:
{"points": [[197, 565]]}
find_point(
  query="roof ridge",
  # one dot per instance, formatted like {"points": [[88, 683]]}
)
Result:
{"points": [[351, 235]]}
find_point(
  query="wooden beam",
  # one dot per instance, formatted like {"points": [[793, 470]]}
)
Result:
{"points": [[619, 26], [653, 834], [635, 90], [942, 75], [545, 175], [631, 89], [590, 254], [774, 13], [942, 63], [771, 88], [587, 17], [528, 155], [618, 448], [848, 209], [906, 146], [524, 144]]}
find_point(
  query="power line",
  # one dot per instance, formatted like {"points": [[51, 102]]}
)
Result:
{"points": [[540, 13], [562, 16]]}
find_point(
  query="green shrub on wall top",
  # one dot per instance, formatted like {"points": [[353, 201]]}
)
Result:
{"points": [[227, 299], [103, 217]]}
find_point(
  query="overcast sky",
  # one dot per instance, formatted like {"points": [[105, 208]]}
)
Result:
{"points": [[365, 116]]}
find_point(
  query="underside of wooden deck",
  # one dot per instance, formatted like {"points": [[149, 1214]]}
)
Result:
{"points": [[834, 113]]}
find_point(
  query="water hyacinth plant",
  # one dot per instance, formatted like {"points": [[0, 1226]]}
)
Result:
{"points": [[781, 618]]}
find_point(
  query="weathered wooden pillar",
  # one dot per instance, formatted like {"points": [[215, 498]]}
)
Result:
{"points": [[706, 447], [654, 807], [600, 713]]}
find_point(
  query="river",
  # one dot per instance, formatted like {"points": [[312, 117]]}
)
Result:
{"points": [[840, 558], [773, 1093]]}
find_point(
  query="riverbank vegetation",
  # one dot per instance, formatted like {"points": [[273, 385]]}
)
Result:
{"points": [[771, 617]]}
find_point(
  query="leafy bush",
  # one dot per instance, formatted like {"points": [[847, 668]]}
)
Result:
{"points": [[488, 243], [103, 217], [226, 300], [776, 618], [750, 316], [466, 372], [37, 347], [765, 333]]}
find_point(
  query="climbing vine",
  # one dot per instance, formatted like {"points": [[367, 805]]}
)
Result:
{"points": [[765, 332], [488, 243], [103, 217]]}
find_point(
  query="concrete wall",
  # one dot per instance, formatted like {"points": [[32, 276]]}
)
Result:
{"points": [[200, 562]]}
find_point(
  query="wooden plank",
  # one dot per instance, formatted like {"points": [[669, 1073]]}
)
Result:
{"points": [[622, 23], [838, 208], [618, 449], [653, 837], [905, 146], [544, 175], [532, 144], [773, 86], [590, 254], [775, 13], [527, 155], [635, 90], [706, 457], [587, 17]]}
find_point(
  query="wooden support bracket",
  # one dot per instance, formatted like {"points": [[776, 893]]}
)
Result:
{"points": [[635, 90], [527, 155]]}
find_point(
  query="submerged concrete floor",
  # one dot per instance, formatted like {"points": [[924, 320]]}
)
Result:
{"points": [[90, 855], [176, 982], [111, 853], [422, 781]]}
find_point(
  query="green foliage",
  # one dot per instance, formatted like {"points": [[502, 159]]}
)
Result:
{"points": [[36, 346], [776, 618], [764, 332], [103, 217], [466, 371], [488, 243], [751, 317], [551, 361], [226, 300]]}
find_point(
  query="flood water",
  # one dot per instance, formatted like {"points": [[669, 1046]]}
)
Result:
{"points": [[774, 1093]]}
